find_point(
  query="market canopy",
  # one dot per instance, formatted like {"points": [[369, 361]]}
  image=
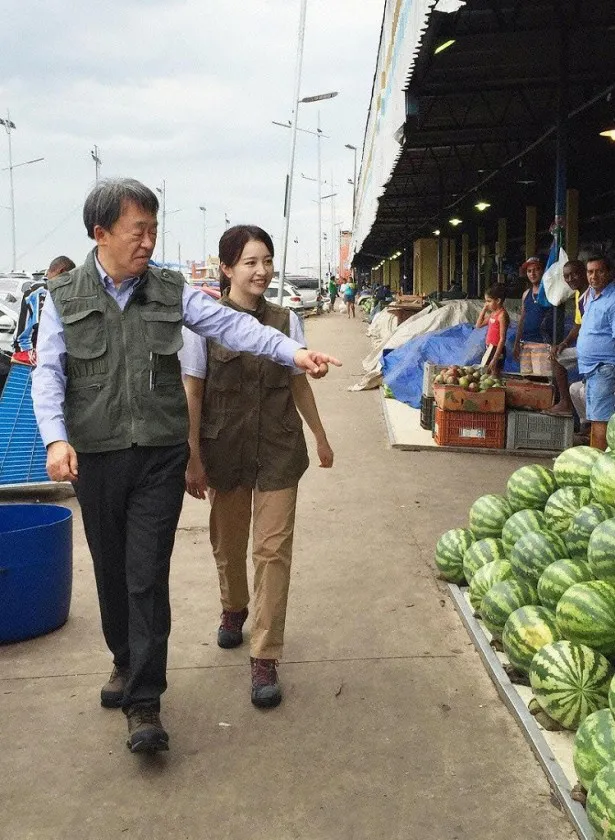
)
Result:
{"points": [[483, 95]]}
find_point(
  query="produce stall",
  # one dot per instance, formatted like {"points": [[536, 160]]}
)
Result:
{"points": [[532, 574]]}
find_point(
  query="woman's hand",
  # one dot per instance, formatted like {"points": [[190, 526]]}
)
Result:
{"points": [[325, 453], [196, 480]]}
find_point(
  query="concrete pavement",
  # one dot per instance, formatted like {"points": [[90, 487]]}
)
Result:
{"points": [[390, 727]]}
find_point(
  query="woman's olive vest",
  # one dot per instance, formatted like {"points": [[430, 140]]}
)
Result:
{"points": [[251, 432], [124, 382]]}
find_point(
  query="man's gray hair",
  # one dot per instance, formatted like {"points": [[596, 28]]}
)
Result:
{"points": [[104, 204]]}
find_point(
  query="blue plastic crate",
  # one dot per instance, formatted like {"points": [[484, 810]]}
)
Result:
{"points": [[22, 454]]}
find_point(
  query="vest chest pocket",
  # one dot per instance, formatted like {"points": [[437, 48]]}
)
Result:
{"points": [[224, 368], [276, 376], [162, 330], [84, 333]]}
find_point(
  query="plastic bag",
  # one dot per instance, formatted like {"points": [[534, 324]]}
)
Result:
{"points": [[556, 289]]}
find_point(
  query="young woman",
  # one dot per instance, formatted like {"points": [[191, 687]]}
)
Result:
{"points": [[350, 293], [247, 450]]}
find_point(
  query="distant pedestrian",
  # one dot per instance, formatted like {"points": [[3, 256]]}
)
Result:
{"points": [[495, 317], [112, 412], [349, 295], [332, 292], [247, 448]]}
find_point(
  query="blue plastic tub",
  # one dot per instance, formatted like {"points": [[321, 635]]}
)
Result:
{"points": [[36, 569]]}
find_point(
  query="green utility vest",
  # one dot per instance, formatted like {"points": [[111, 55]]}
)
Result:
{"points": [[124, 383], [251, 431]]}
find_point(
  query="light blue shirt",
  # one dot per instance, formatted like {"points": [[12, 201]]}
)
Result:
{"points": [[596, 341], [201, 314]]}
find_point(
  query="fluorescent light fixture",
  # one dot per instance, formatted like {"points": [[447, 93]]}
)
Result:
{"points": [[608, 132], [444, 46], [454, 222], [436, 232], [482, 205]]}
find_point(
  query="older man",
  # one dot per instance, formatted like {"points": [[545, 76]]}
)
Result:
{"points": [[596, 348], [112, 412]]}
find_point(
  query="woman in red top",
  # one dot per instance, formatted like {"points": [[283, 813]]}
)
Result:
{"points": [[496, 317]]}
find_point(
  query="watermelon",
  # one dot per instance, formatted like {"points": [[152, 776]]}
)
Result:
{"points": [[570, 682], [594, 745], [526, 631], [582, 526], [502, 599], [586, 615], [520, 523], [601, 551], [488, 515], [563, 505], [484, 579], [530, 487], [449, 553], [479, 554], [560, 576], [610, 433], [574, 466], [600, 805], [602, 479], [534, 552]]}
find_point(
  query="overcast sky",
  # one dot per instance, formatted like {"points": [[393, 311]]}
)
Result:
{"points": [[181, 91]]}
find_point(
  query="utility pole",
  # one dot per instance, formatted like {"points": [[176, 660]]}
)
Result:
{"points": [[97, 161], [163, 193], [204, 212], [227, 222]]}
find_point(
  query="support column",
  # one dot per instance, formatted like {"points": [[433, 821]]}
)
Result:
{"points": [[572, 224], [465, 261], [452, 260], [501, 248], [530, 232], [480, 254]]}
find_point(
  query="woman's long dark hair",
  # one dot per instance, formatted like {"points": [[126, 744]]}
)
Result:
{"points": [[231, 245]]}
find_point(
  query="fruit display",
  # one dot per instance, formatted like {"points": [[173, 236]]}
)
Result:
{"points": [[594, 745], [470, 377], [601, 551], [530, 487], [601, 803], [502, 600], [563, 505], [531, 555], [526, 631], [520, 523], [602, 478], [488, 515], [480, 553], [485, 578], [574, 466], [450, 552], [583, 525], [586, 614], [560, 576]]}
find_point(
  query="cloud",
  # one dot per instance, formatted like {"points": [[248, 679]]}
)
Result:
{"points": [[181, 91]]}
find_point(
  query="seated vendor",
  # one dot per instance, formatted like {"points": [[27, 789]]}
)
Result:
{"points": [[564, 355], [531, 349], [596, 348]]}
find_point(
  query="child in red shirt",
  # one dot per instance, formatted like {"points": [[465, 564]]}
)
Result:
{"points": [[495, 317]]}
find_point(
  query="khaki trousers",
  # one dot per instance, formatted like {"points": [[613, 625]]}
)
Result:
{"points": [[273, 516]]}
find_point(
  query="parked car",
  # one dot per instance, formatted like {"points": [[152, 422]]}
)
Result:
{"points": [[291, 298], [13, 287], [309, 289], [8, 325]]}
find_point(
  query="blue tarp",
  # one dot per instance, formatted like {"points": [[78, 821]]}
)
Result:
{"points": [[402, 368]]}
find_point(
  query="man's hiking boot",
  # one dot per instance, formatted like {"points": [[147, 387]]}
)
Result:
{"points": [[266, 691], [112, 692], [229, 631], [145, 731]]}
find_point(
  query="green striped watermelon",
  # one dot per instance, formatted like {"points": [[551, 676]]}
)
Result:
{"points": [[612, 697], [526, 631], [601, 551], [484, 579], [520, 523], [586, 615], [582, 526], [530, 487], [610, 433], [503, 599], [560, 576], [602, 480], [570, 681], [594, 745], [600, 805], [574, 466], [480, 553], [534, 552], [450, 550], [563, 505], [488, 515]]}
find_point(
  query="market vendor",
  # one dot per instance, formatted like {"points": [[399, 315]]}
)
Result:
{"points": [[531, 349], [596, 348], [564, 356]]}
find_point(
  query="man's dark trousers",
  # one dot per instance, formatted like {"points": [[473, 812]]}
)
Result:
{"points": [[130, 501]]}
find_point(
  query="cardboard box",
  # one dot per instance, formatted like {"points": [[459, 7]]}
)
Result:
{"points": [[525, 394], [456, 398]]}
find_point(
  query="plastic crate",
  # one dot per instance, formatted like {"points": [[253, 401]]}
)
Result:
{"points": [[528, 430], [428, 412], [470, 428], [22, 454], [429, 371]]}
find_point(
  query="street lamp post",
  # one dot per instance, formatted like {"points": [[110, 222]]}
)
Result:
{"points": [[9, 127], [354, 181], [204, 212], [97, 161], [163, 193]]}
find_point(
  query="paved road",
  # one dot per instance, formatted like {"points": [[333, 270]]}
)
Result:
{"points": [[390, 727]]}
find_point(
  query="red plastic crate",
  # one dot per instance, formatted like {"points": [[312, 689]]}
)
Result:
{"points": [[470, 428]]}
